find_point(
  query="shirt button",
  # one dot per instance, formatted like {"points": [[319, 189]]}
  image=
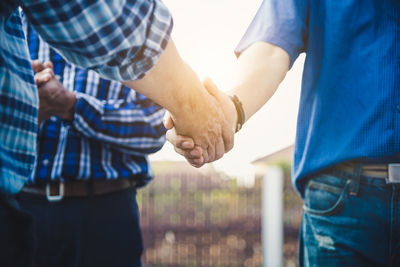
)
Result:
{"points": [[53, 119], [45, 162], [116, 106]]}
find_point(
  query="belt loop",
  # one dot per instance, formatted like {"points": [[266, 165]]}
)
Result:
{"points": [[355, 181]]}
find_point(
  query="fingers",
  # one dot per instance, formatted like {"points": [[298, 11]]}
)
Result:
{"points": [[49, 64], [219, 149], [37, 65], [44, 71], [228, 136], [179, 141], [197, 161], [167, 121], [215, 152], [185, 147], [43, 76], [195, 153]]}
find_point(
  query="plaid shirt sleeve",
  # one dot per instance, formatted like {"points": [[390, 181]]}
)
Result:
{"points": [[119, 39], [18, 105], [132, 125]]}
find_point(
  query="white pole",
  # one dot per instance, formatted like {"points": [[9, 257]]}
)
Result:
{"points": [[272, 223]]}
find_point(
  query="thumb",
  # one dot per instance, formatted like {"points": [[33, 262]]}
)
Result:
{"points": [[167, 121], [211, 87]]}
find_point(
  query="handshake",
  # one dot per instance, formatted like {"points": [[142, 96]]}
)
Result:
{"points": [[201, 120], [206, 132], [201, 129]]}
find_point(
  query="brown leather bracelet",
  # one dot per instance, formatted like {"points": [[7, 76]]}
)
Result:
{"points": [[240, 112]]}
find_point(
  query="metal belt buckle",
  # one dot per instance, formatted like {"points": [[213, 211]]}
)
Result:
{"points": [[393, 173], [54, 198]]}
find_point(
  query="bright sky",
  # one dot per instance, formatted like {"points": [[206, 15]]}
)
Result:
{"points": [[206, 33]]}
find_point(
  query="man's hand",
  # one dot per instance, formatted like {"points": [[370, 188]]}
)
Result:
{"points": [[186, 146], [209, 127], [54, 99]]}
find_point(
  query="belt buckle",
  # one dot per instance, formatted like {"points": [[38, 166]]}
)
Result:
{"points": [[393, 173], [55, 198]]}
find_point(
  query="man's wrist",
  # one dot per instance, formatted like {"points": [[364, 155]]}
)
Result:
{"points": [[189, 96], [68, 101]]}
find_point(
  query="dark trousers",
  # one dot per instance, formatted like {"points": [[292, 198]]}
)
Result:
{"points": [[88, 231], [16, 234]]}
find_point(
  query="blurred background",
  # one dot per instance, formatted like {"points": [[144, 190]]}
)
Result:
{"points": [[202, 217], [213, 216]]}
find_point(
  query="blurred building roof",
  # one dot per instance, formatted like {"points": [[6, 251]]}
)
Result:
{"points": [[185, 169], [285, 154]]}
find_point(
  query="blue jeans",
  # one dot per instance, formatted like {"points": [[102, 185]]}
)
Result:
{"points": [[350, 220], [86, 231]]}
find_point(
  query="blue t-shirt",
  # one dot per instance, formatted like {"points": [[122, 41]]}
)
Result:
{"points": [[350, 99]]}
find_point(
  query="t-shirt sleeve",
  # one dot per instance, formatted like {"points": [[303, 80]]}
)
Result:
{"points": [[279, 22]]}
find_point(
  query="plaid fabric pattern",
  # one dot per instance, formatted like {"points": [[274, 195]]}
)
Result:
{"points": [[119, 39], [18, 106], [113, 130]]}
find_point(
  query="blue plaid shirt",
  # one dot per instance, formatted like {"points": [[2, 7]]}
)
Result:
{"points": [[113, 130], [121, 40]]}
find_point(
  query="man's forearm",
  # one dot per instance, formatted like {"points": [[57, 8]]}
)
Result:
{"points": [[170, 83], [259, 71]]}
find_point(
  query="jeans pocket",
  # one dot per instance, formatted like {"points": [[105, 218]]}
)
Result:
{"points": [[325, 194]]}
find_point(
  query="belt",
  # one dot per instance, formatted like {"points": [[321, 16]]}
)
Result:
{"points": [[56, 191], [390, 172]]}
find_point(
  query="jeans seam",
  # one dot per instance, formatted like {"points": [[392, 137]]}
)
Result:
{"points": [[331, 210], [326, 187], [393, 221]]}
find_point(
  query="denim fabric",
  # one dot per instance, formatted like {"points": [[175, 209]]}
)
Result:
{"points": [[16, 234], [350, 220], [92, 231]]}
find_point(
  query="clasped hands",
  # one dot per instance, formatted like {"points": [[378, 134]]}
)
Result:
{"points": [[213, 130], [54, 99]]}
